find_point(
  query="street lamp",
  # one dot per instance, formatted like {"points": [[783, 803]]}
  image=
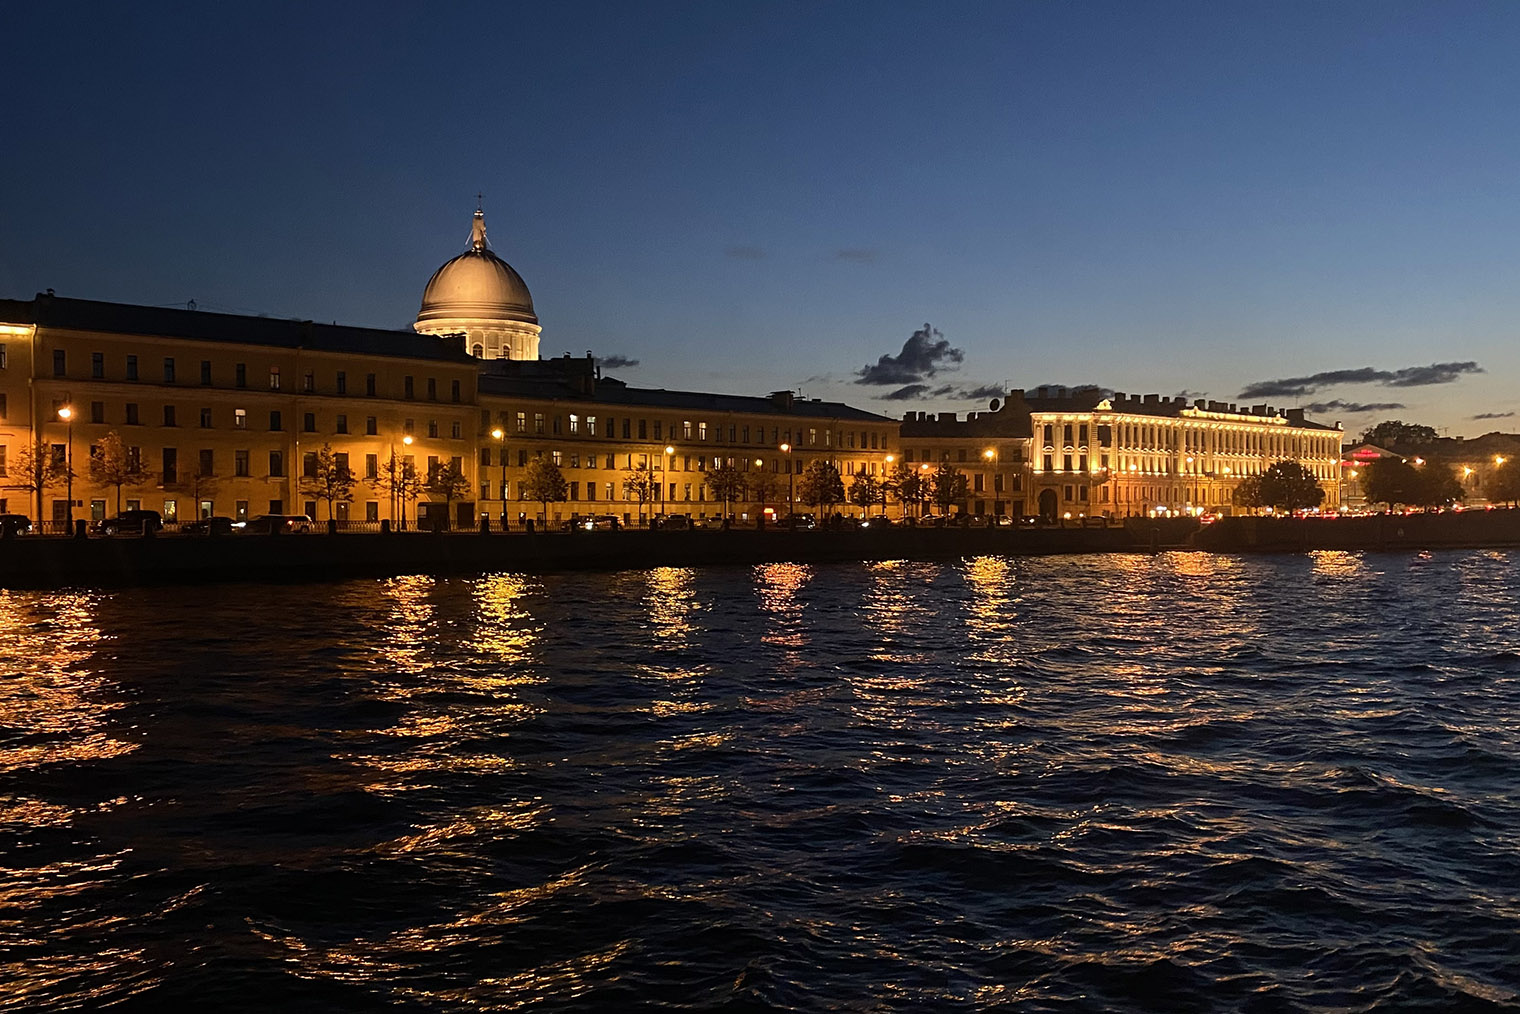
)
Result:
{"points": [[407, 441], [791, 482], [665, 481], [499, 435], [66, 413]]}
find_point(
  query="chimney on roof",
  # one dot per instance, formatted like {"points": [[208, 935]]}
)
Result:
{"points": [[1200, 404], [1118, 397], [1296, 415], [946, 417], [783, 400], [1151, 399]]}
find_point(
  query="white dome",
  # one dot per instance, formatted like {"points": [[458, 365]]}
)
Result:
{"points": [[477, 285]]}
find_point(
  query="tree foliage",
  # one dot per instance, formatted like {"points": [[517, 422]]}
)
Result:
{"points": [[35, 470], [640, 483], [1289, 486], [865, 491], [726, 483], [820, 484], [1504, 484], [1392, 481], [1247, 493], [763, 486], [544, 482], [332, 482], [1397, 433], [948, 486], [907, 483]]}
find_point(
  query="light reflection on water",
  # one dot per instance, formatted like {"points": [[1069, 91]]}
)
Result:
{"points": [[1178, 782]]}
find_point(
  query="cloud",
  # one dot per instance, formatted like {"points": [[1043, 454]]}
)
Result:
{"points": [[1494, 415], [617, 362], [1187, 395], [858, 256], [908, 393], [1413, 376], [923, 392], [745, 253], [923, 355], [1352, 407]]}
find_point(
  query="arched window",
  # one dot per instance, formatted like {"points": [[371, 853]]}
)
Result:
{"points": [[479, 351]]}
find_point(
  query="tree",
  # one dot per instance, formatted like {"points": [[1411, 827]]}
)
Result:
{"points": [[865, 491], [543, 481], [763, 486], [391, 477], [1393, 481], [200, 486], [726, 484], [447, 480], [35, 470], [1289, 486], [1504, 484], [903, 481], [641, 483], [1247, 493], [820, 484], [112, 463], [1395, 433], [948, 486], [330, 480]]}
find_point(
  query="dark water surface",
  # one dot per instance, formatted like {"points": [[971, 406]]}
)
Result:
{"points": [[1172, 783]]}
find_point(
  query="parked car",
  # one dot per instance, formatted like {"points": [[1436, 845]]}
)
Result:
{"points": [[14, 524], [279, 524], [798, 523], [133, 522], [877, 523], [212, 526], [671, 523], [931, 521]]}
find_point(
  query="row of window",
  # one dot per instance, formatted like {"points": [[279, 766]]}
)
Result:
{"points": [[131, 370], [575, 424], [132, 416]]}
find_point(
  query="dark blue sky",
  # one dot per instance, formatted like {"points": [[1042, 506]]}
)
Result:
{"points": [[1152, 197]]}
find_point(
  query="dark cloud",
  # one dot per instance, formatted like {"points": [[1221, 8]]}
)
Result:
{"points": [[1435, 373], [909, 393], [858, 256], [923, 392], [1187, 395], [1494, 415], [744, 253], [616, 362], [1352, 407], [1413, 376], [923, 355]]}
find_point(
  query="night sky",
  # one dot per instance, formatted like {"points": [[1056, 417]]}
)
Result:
{"points": [[1181, 198]]}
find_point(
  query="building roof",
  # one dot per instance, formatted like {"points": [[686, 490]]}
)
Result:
{"points": [[49, 311], [580, 380], [477, 285]]}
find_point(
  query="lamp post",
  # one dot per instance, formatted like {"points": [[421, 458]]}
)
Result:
{"points": [[66, 413], [923, 487], [499, 435], [665, 483], [886, 477], [406, 441], [791, 481]]}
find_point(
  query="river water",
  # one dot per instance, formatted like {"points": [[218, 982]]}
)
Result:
{"points": [[1177, 783]]}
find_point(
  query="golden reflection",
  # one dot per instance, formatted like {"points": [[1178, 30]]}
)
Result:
{"points": [[1338, 563], [669, 603], [1196, 564], [897, 608], [505, 630], [54, 708], [406, 628], [777, 586]]}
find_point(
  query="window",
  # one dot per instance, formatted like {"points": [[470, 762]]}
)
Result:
{"points": [[372, 466], [276, 466], [171, 466], [538, 423], [701, 431], [656, 429], [4, 356], [591, 425], [369, 385], [432, 388], [557, 458], [342, 382], [309, 382], [207, 463], [240, 418], [240, 463], [274, 378], [241, 372], [433, 428], [168, 370], [342, 424], [309, 464], [97, 411], [274, 420], [132, 413], [372, 510], [522, 422], [205, 418], [309, 422], [643, 428], [485, 457], [454, 390], [575, 423], [409, 389], [625, 429], [455, 431], [371, 425], [169, 415], [60, 363], [407, 426], [206, 372], [98, 365], [2, 460]]}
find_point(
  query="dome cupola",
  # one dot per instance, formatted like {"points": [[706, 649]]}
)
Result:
{"points": [[480, 295]]}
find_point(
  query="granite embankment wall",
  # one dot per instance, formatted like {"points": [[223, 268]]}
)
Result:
{"points": [[48, 563], [1447, 530]]}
